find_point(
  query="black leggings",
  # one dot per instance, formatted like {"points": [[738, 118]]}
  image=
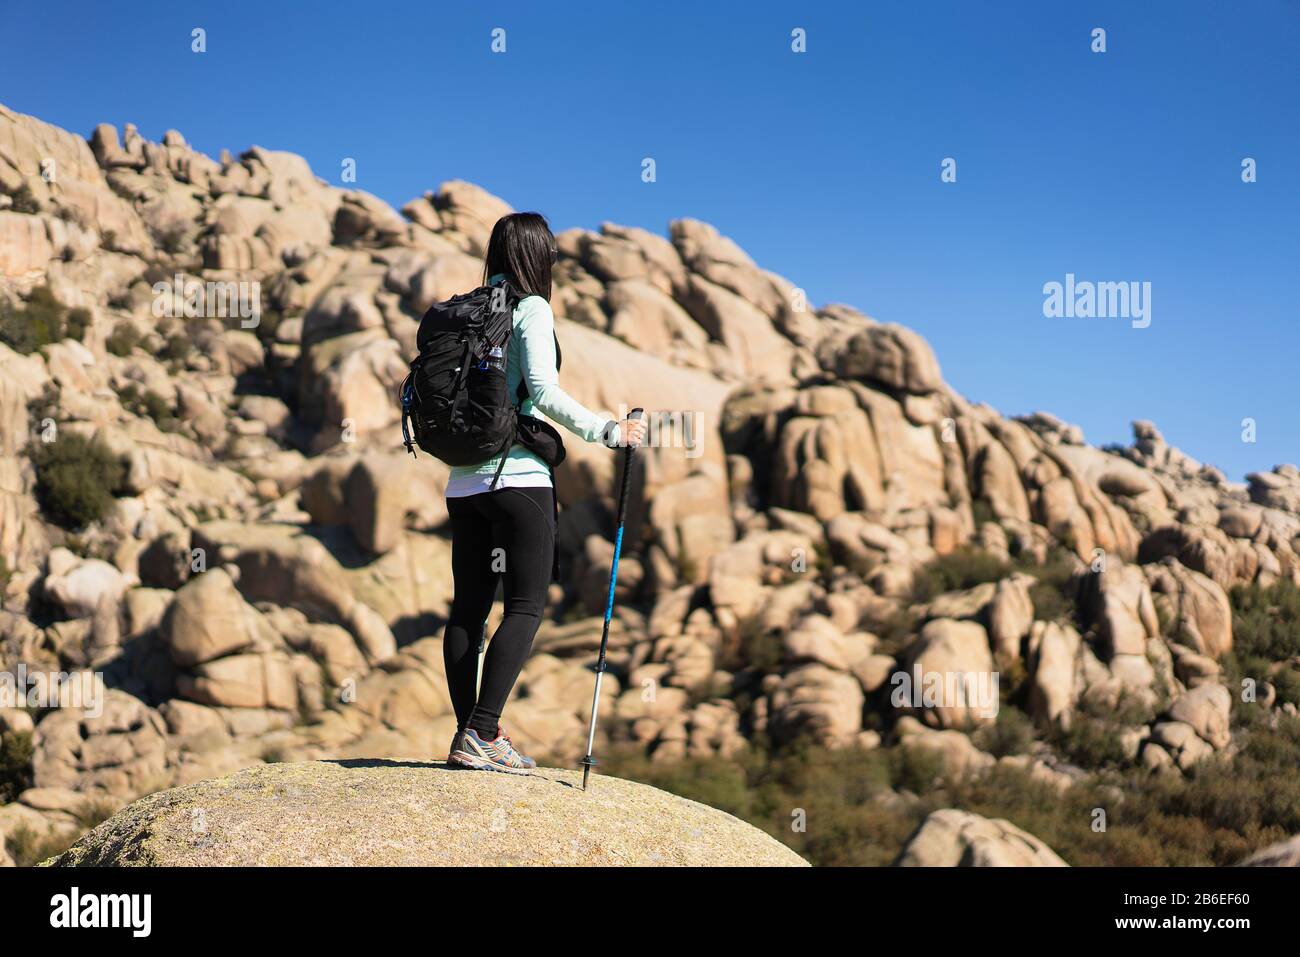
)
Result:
{"points": [[507, 534]]}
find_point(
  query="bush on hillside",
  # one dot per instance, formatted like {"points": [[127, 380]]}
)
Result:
{"points": [[831, 791], [76, 479], [1053, 591], [1215, 816], [40, 321], [24, 200], [177, 348], [123, 340], [79, 320], [1011, 734], [150, 405], [15, 764], [1266, 638], [28, 848], [963, 568]]}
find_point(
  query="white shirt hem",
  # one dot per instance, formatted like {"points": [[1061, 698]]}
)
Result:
{"points": [[463, 485]]}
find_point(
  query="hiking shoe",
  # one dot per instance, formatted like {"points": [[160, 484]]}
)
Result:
{"points": [[455, 745], [495, 755]]}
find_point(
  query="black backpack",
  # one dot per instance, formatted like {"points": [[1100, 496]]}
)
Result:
{"points": [[454, 399]]}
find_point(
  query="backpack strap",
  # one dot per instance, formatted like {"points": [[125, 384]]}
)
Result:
{"points": [[521, 393], [406, 397], [505, 454]]}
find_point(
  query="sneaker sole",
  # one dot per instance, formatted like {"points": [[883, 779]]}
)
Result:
{"points": [[466, 760]]}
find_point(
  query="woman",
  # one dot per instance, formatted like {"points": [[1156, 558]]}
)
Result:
{"points": [[509, 534]]}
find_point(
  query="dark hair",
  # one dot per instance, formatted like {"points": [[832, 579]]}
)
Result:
{"points": [[522, 248]]}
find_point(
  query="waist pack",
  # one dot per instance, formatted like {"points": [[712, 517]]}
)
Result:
{"points": [[540, 438], [455, 404]]}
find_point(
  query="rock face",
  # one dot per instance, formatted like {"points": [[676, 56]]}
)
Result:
{"points": [[952, 838], [386, 813], [269, 576], [121, 750]]}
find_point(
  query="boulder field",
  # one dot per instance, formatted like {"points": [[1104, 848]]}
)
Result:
{"points": [[204, 501]]}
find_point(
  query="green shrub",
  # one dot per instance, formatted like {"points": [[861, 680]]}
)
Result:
{"points": [[95, 812], [963, 568], [1093, 739], [25, 200], [29, 849], [982, 512], [150, 405], [896, 631], [1255, 795], [178, 348], [1052, 604], [1012, 733], [1091, 743], [1053, 591], [834, 790], [123, 340], [1216, 815], [76, 479], [1137, 831], [1060, 819], [823, 560], [914, 769], [1266, 621], [762, 648], [1266, 637], [79, 320], [15, 765], [42, 320]]}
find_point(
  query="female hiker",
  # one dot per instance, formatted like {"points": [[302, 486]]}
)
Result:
{"points": [[507, 533]]}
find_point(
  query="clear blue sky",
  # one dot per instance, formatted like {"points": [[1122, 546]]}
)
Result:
{"points": [[823, 166]]}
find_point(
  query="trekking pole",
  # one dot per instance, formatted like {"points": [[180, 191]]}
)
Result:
{"points": [[589, 762]]}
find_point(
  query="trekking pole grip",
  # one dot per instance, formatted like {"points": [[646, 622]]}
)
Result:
{"points": [[628, 450]]}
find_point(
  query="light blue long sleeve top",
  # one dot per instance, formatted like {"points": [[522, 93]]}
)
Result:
{"points": [[530, 358]]}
